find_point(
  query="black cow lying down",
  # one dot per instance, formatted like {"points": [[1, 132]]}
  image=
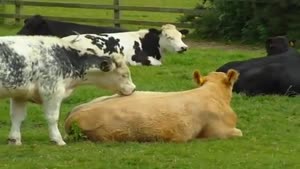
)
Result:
{"points": [[37, 25], [275, 74]]}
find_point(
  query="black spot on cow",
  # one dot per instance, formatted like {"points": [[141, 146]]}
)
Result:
{"points": [[140, 56], [108, 45], [12, 67], [70, 64], [91, 50], [150, 43]]}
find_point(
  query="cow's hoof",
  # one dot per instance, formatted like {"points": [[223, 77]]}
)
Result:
{"points": [[237, 132], [12, 141], [59, 143]]}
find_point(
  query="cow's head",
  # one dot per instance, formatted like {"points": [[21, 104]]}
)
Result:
{"points": [[117, 78], [225, 79], [35, 25], [171, 39], [278, 44]]}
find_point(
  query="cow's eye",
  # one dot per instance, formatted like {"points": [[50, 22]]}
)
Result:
{"points": [[125, 75], [170, 38]]}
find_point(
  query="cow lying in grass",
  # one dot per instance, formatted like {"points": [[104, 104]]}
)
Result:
{"points": [[204, 112], [143, 47], [38, 25], [45, 70]]}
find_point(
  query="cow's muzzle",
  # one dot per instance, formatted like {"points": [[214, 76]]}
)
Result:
{"points": [[182, 49]]}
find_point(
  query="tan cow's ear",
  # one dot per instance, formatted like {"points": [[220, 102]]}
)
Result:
{"points": [[232, 75], [198, 79]]}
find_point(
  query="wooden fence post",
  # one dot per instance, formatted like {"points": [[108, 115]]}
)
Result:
{"points": [[117, 13], [17, 11]]}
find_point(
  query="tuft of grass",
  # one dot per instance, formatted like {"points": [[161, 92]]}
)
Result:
{"points": [[75, 133]]}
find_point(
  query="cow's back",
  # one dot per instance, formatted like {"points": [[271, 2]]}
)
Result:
{"points": [[268, 75]]}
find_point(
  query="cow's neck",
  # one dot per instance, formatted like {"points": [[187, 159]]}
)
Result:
{"points": [[150, 45], [219, 91]]}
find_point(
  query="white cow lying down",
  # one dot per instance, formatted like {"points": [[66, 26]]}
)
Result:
{"points": [[204, 112], [45, 70]]}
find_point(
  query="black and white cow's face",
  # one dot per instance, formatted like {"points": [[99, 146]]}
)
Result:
{"points": [[171, 39], [118, 79]]}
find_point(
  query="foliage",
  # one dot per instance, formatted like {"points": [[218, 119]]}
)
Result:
{"points": [[246, 20]]}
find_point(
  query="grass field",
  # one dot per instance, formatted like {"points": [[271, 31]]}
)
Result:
{"points": [[270, 124]]}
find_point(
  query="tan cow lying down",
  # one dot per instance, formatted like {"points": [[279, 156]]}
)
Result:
{"points": [[203, 112]]}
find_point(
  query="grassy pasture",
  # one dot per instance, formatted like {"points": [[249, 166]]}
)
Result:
{"points": [[270, 124]]}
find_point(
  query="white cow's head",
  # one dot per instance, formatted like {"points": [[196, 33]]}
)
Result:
{"points": [[171, 39], [117, 79]]}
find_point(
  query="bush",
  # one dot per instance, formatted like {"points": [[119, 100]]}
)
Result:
{"points": [[245, 20]]}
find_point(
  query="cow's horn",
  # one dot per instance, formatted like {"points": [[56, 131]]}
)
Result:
{"points": [[75, 39]]}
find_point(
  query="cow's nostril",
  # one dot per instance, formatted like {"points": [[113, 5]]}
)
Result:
{"points": [[183, 48]]}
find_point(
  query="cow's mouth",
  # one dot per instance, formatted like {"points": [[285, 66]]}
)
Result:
{"points": [[127, 93], [183, 49]]}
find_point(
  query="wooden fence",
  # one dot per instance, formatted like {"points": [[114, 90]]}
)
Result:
{"points": [[117, 9]]}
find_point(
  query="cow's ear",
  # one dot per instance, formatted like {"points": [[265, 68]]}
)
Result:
{"points": [[156, 31], [198, 79], [232, 76], [268, 41], [105, 65], [292, 43], [184, 31], [25, 20]]}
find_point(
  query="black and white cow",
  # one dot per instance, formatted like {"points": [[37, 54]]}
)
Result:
{"points": [[38, 25], [45, 70], [275, 74], [143, 47]]}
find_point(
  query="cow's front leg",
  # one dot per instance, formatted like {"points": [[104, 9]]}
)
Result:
{"points": [[17, 115], [51, 110], [153, 61]]}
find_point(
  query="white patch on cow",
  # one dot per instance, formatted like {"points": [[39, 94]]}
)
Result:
{"points": [[171, 39], [154, 61]]}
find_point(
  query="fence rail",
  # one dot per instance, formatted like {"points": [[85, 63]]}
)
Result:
{"points": [[117, 9]]}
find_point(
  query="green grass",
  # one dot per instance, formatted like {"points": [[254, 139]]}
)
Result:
{"points": [[270, 124]]}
